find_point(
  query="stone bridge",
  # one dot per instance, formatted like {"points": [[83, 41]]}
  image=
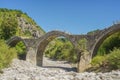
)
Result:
{"points": [[36, 47]]}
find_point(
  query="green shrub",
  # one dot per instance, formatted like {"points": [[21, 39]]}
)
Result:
{"points": [[97, 61], [113, 59], [8, 28], [108, 54], [108, 62], [109, 44], [21, 50], [27, 33], [6, 54], [82, 44], [61, 49]]}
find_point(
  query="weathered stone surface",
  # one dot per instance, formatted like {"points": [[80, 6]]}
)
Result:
{"points": [[26, 26], [38, 45]]}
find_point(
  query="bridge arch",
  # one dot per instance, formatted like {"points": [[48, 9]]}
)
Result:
{"points": [[105, 33], [43, 42], [12, 42]]}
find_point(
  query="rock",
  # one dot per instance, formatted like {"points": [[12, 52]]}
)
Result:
{"points": [[27, 26], [23, 70]]}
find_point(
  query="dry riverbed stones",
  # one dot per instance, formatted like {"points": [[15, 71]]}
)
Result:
{"points": [[23, 70]]}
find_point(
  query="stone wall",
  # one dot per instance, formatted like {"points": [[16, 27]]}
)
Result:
{"points": [[36, 47]]}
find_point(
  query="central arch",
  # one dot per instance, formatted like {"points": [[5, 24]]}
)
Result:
{"points": [[43, 42], [108, 32]]}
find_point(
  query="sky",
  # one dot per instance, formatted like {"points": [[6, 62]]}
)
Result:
{"points": [[72, 16]]}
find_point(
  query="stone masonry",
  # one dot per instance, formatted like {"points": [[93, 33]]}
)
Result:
{"points": [[36, 47]]}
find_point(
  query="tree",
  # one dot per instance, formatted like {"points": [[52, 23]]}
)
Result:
{"points": [[8, 28]]}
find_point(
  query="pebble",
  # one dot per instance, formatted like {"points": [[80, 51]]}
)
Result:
{"points": [[23, 70]]}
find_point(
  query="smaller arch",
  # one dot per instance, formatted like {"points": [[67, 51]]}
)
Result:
{"points": [[14, 40], [106, 33]]}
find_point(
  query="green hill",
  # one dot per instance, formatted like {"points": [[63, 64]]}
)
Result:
{"points": [[15, 22]]}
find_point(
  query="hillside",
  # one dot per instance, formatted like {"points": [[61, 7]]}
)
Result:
{"points": [[15, 22]]}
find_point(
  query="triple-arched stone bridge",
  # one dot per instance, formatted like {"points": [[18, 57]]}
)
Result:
{"points": [[35, 47]]}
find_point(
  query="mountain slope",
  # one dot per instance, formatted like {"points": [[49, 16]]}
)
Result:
{"points": [[15, 22]]}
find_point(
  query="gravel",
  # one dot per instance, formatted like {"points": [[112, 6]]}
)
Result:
{"points": [[23, 70]]}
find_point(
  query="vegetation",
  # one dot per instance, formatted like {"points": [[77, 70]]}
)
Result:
{"points": [[9, 24], [8, 27], [6, 54], [113, 59], [108, 56], [61, 49], [93, 32], [109, 44], [82, 44], [21, 50]]}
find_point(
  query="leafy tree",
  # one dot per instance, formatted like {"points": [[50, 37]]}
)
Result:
{"points": [[8, 28]]}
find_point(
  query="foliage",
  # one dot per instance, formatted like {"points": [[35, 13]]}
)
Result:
{"points": [[109, 44], [107, 62], [61, 49], [113, 59], [6, 54], [9, 24], [21, 50], [108, 55], [8, 28], [82, 44], [27, 33], [97, 61], [93, 32]]}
